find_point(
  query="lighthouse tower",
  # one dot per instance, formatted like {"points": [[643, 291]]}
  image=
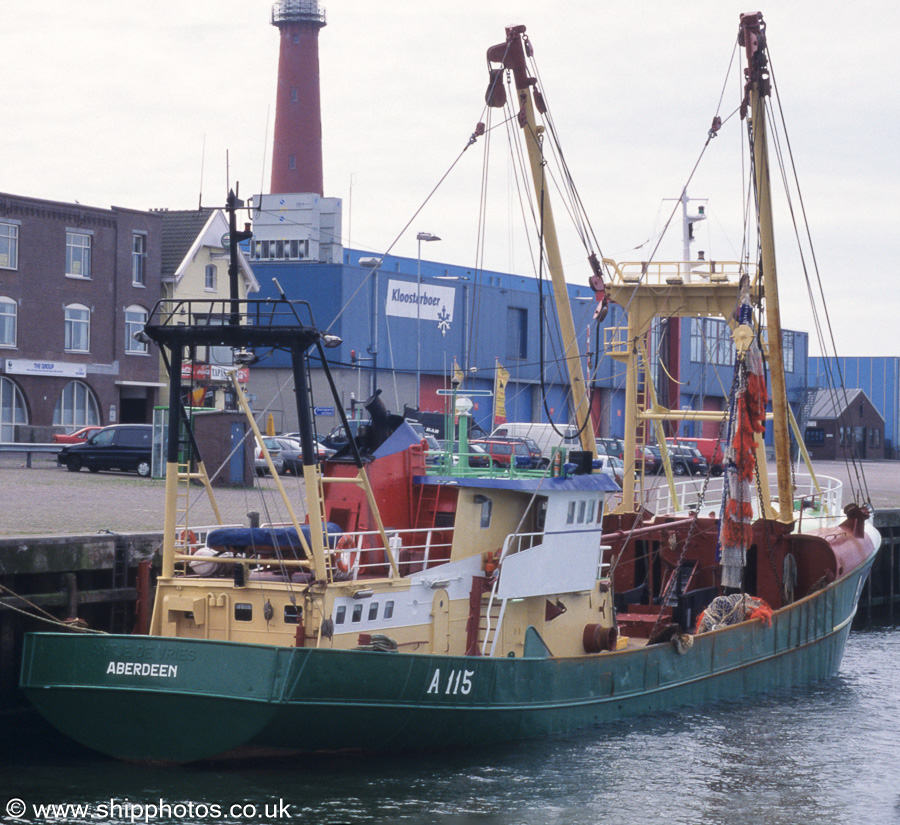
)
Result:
{"points": [[297, 150], [295, 222]]}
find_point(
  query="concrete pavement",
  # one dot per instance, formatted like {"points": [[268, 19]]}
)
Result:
{"points": [[48, 500]]}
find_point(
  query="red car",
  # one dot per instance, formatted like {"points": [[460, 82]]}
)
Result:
{"points": [[501, 452], [76, 436]]}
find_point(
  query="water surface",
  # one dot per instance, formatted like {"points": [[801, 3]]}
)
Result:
{"points": [[823, 754]]}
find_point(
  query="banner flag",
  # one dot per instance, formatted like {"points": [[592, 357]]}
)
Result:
{"points": [[501, 377]]}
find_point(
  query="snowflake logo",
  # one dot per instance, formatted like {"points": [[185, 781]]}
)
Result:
{"points": [[443, 320]]}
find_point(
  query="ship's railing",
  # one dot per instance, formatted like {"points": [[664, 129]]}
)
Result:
{"points": [[208, 312], [415, 549], [518, 542], [677, 273], [189, 540], [810, 501], [441, 464]]}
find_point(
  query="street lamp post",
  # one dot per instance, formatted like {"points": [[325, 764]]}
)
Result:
{"points": [[422, 236]]}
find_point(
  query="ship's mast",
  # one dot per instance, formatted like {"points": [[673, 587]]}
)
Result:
{"points": [[753, 39], [512, 55]]}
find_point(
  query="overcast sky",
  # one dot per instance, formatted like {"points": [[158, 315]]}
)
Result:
{"points": [[136, 104]]}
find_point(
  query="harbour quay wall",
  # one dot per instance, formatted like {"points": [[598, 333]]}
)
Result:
{"points": [[90, 577], [880, 598]]}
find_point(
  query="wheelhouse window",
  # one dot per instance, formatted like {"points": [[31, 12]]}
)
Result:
{"points": [[78, 328], [138, 257], [76, 406], [135, 319], [8, 314], [78, 255], [9, 246], [209, 282], [12, 409]]}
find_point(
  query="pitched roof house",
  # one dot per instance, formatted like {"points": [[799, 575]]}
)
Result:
{"points": [[844, 424]]}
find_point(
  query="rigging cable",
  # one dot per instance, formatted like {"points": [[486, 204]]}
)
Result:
{"points": [[850, 458]]}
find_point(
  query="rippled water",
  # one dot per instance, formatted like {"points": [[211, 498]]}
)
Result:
{"points": [[823, 754]]}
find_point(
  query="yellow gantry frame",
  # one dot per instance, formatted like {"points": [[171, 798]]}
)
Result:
{"points": [[533, 138]]}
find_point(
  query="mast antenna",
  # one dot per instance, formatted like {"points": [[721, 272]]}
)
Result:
{"points": [[202, 166]]}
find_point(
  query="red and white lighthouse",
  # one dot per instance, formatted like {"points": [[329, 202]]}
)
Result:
{"points": [[297, 147]]}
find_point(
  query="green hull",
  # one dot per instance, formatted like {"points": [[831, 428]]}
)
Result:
{"points": [[148, 698]]}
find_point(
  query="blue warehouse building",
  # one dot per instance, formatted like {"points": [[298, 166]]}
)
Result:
{"points": [[480, 320], [878, 377]]}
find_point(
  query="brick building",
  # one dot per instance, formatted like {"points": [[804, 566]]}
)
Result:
{"points": [[844, 424], [75, 283]]}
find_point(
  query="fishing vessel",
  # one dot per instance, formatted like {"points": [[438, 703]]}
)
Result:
{"points": [[421, 605]]}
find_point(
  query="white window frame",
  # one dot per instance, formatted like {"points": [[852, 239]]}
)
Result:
{"points": [[78, 254], [13, 411], [76, 406], [77, 326], [210, 284], [9, 317], [138, 259], [135, 320], [9, 245]]}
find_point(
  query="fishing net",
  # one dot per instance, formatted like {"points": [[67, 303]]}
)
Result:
{"points": [[728, 610]]}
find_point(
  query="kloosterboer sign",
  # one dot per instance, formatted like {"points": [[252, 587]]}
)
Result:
{"points": [[435, 303]]}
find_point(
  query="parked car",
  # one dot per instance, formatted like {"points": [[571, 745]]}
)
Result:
{"points": [[547, 436], [117, 447], [712, 449], [291, 455], [76, 436], [259, 461], [611, 466], [502, 452], [684, 460], [337, 438], [611, 446], [647, 461], [477, 455], [322, 452], [433, 456], [537, 457]]}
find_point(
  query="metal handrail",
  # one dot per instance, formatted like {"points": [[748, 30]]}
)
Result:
{"points": [[825, 500]]}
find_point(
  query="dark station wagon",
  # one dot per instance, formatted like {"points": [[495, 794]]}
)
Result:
{"points": [[117, 447]]}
